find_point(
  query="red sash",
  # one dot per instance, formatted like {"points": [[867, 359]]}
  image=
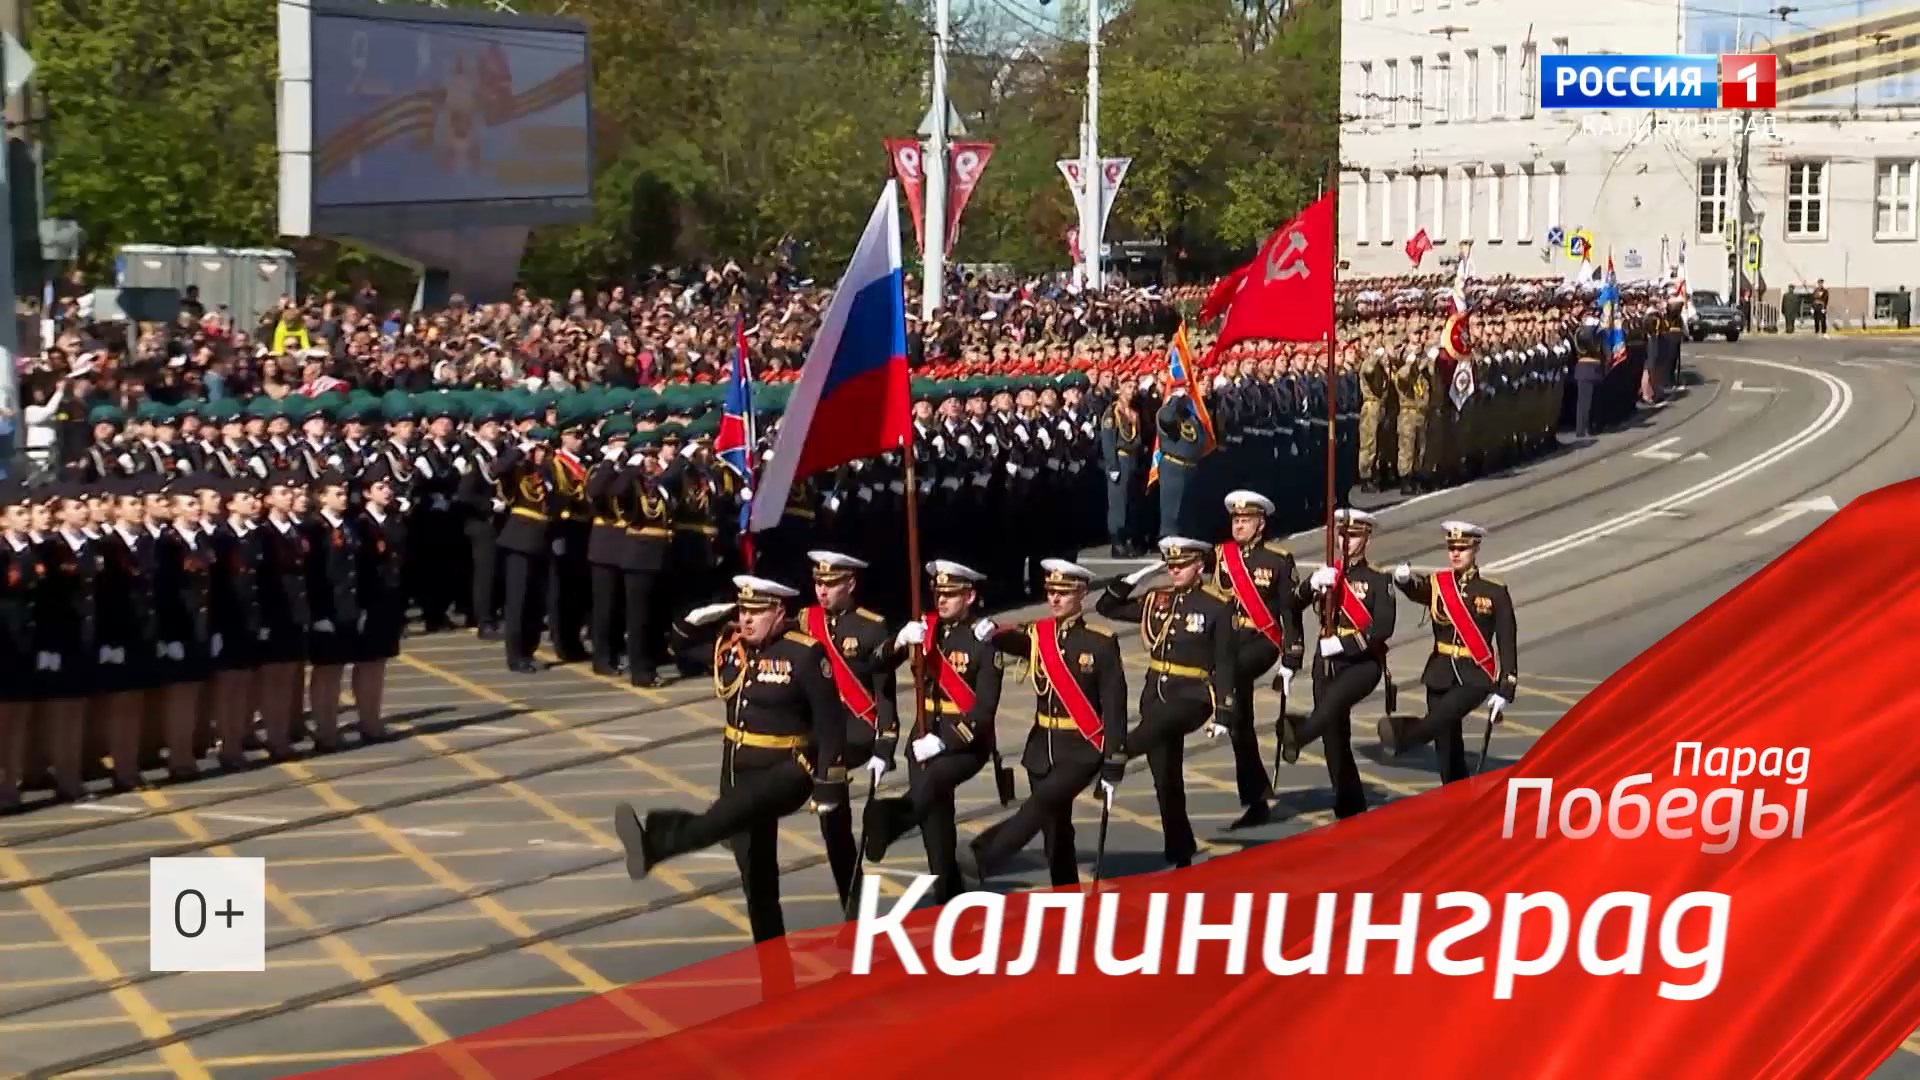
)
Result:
{"points": [[1447, 588], [1072, 698], [1248, 594], [1351, 605], [853, 695], [574, 470], [951, 684]]}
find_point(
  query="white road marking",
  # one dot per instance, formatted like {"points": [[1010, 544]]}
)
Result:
{"points": [[244, 819], [563, 845], [1742, 388], [106, 808], [1824, 504], [1403, 504], [418, 831], [1658, 451], [612, 737], [486, 729], [1839, 403]]}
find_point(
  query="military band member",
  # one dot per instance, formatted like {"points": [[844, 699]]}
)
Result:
{"points": [[607, 546], [785, 736], [960, 678], [1475, 656], [1259, 576], [1079, 725], [859, 650], [381, 579], [1187, 627], [1350, 657]]}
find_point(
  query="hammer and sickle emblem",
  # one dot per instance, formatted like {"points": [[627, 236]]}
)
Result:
{"points": [[1287, 258]]}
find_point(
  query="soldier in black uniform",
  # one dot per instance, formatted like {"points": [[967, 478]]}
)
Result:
{"points": [[182, 595], [607, 544], [235, 643], [281, 581], [64, 640], [1349, 661], [783, 750], [20, 572], [649, 542], [1259, 576], [860, 652], [525, 543], [333, 561], [960, 678], [569, 527], [380, 575], [438, 565], [1471, 663], [1187, 627], [124, 624], [1079, 730], [481, 509]]}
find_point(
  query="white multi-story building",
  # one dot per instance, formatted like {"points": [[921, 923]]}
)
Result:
{"points": [[1441, 131]]}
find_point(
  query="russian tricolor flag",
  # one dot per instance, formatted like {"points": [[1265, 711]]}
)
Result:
{"points": [[852, 398]]}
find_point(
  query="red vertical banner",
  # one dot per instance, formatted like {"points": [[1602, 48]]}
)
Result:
{"points": [[905, 158], [965, 162]]}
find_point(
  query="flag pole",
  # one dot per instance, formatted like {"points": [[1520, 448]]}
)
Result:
{"points": [[913, 585], [1329, 612]]}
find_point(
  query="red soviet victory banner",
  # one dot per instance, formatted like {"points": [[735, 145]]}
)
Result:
{"points": [[904, 156], [965, 162], [1819, 977], [1286, 292]]}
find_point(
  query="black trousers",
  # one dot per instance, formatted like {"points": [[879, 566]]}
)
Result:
{"points": [[1254, 656], [1583, 407], [1047, 813], [1159, 738], [526, 602], [748, 811], [438, 569], [483, 547], [1445, 727], [567, 584], [836, 826], [928, 805], [1336, 690], [640, 592], [607, 628]]}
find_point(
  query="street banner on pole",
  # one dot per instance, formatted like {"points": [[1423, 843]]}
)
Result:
{"points": [[905, 158], [965, 162]]}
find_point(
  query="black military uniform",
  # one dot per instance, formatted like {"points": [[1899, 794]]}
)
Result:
{"points": [[570, 527], [859, 649], [1069, 748], [1349, 662], [1469, 664], [380, 574], [607, 547], [649, 513], [525, 543], [1259, 577], [63, 623], [960, 678], [783, 748], [21, 570], [1188, 631], [481, 507]]}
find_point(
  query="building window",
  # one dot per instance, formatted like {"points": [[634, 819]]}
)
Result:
{"points": [[1365, 110], [1386, 208], [1523, 214], [1893, 196], [1807, 199], [1711, 212], [1499, 81], [1418, 76], [1466, 201], [1413, 203], [1392, 103], [1473, 84], [1443, 67], [1366, 9], [1553, 195], [1358, 209], [1529, 78], [1495, 179], [1437, 232]]}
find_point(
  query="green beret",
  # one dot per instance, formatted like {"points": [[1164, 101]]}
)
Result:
{"points": [[106, 414], [670, 432], [397, 405], [262, 407], [540, 434], [153, 412], [616, 425]]}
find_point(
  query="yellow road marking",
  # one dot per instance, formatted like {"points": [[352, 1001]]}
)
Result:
{"points": [[100, 966]]}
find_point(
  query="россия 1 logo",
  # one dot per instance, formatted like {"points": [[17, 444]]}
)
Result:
{"points": [[1607, 81]]}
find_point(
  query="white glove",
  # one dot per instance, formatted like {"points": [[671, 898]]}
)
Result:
{"points": [[324, 626], [1106, 793], [825, 808], [106, 654], [1145, 572], [1012, 469], [1286, 682], [910, 635], [215, 644], [926, 746], [1495, 706], [701, 616], [983, 629], [1402, 574], [833, 502], [266, 634], [159, 650], [877, 767], [1323, 579], [1214, 729], [635, 458], [1178, 391], [176, 651], [362, 624], [53, 661], [560, 547], [1113, 477], [44, 662], [1330, 646], [746, 493], [526, 446]]}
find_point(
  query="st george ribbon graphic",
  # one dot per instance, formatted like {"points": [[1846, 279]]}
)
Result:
{"points": [[1795, 690]]}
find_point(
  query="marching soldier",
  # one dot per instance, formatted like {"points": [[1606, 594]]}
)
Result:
{"points": [[482, 508], [569, 528], [960, 678], [433, 523], [182, 583], [235, 645], [333, 561], [785, 735], [1123, 449], [1475, 656], [124, 623], [20, 572], [857, 647], [1350, 658], [1181, 445], [1187, 627], [64, 659], [1079, 725], [1259, 575]]}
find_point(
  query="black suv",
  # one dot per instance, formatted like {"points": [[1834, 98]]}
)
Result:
{"points": [[1712, 316]]}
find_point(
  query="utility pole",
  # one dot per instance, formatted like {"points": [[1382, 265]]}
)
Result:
{"points": [[1094, 215], [934, 269], [1736, 249]]}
